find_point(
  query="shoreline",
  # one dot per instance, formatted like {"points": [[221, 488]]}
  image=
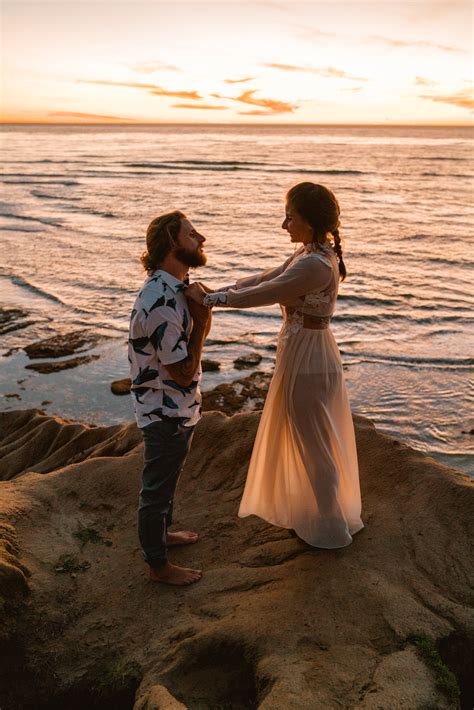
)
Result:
{"points": [[83, 392]]}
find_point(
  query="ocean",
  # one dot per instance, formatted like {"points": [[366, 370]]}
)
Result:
{"points": [[76, 201]]}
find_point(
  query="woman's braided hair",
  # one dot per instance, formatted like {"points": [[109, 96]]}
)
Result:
{"points": [[319, 207]]}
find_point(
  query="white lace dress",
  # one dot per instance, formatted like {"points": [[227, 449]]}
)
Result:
{"points": [[303, 473]]}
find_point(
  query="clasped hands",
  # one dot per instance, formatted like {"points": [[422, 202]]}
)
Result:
{"points": [[196, 291], [199, 313]]}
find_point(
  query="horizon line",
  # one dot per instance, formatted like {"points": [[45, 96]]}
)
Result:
{"points": [[230, 123]]}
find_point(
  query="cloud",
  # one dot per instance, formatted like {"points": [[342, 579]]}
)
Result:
{"points": [[151, 67], [201, 106], [74, 114], [462, 99], [239, 81], [329, 72], [271, 105], [177, 94], [315, 33], [151, 88], [413, 43], [421, 81]]}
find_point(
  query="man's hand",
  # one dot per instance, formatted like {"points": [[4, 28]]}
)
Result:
{"points": [[199, 313], [195, 292]]}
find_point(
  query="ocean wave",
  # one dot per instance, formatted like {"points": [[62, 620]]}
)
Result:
{"points": [[408, 317], [32, 230], [217, 162], [38, 162], [370, 301], [41, 220], [37, 290], [442, 260], [235, 166], [44, 196], [446, 175], [245, 313], [23, 282], [88, 210], [67, 183], [435, 158], [35, 175], [412, 361]]}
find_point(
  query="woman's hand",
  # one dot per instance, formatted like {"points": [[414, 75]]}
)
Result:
{"points": [[195, 292]]}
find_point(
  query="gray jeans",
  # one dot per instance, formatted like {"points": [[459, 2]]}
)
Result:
{"points": [[166, 446]]}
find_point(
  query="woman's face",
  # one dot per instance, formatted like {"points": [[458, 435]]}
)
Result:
{"points": [[296, 226]]}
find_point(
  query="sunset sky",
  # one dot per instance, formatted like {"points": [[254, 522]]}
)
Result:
{"points": [[270, 62]]}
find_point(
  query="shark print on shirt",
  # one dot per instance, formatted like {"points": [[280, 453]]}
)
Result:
{"points": [[160, 326]]}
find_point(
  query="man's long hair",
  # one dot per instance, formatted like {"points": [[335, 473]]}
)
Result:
{"points": [[161, 237]]}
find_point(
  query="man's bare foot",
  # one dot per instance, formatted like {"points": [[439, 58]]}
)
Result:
{"points": [[172, 574], [183, 537]]}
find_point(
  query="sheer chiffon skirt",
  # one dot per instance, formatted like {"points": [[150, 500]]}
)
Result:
{"points": [[303, 472]]}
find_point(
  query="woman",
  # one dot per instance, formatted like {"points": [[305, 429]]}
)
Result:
{"points": [[303, 472]]}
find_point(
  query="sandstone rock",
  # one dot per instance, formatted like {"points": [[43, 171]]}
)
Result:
{"points": [[247, 361], [158, 698], [47, 367], [13, 319], [62, 345], [210, 365], [121, 386], [247, 394], [273, 623]]}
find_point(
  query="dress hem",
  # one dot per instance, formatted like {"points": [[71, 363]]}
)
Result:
{"points": [[285, 527]]}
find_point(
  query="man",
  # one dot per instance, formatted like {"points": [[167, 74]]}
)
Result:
{"points": [[167, 334]]}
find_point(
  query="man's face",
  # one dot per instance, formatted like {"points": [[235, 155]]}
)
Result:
{"points": [[189, 249]]}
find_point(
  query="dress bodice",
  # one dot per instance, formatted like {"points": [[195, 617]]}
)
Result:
{"points": [[320, 301]]}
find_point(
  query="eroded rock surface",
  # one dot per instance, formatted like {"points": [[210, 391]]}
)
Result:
{"points": [[46, 368], [273, 624], [13, 319], [247, 361], [63, 344]]}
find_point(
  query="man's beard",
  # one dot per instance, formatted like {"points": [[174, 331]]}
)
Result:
{"points": [[194, 257]]}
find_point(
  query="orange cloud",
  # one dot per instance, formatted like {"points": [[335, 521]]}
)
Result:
{"points": [[239, 81], [463, 99], [414, 43], [200, 106], [151, 88], [177, 94], [272, 106], [74, 114], [256, 113], [329, 72], [150, 67], [421, 81]]}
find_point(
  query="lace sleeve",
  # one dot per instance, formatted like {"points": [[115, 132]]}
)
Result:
{"points": [[218, 298], [302, 277], [267, 275]]}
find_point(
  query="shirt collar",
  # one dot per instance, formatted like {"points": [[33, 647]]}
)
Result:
{"points": [[171, 281]]}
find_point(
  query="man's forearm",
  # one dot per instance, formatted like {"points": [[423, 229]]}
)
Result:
{"points": [[183, 371], [195, 345]]}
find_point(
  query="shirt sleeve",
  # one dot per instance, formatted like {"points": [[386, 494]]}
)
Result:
{"points": [[308, 274], [263, 275], [166, 330]]}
